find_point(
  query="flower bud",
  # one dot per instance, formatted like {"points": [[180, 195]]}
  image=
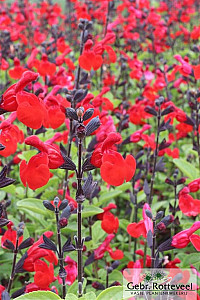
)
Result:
{"points": [[80, 131], [63, 222]]}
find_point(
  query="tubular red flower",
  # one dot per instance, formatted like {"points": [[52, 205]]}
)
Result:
{"points": [[30, 110], [44, 274], [188, 205], [110, 223], [143, 226], [115, 169], [183, 238], [54, 156], [34, 253], [10, 235], [36, 173]]}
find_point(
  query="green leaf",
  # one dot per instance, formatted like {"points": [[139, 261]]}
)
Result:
{"points": [[71, 296], [88, 211], [88, 296], [125, 186], [74, 287], [34, 205], [106, 196], [97, 232], [9, 189], [42, 295], [113, 293], [27, 154], [191, 259], [188, 169]]}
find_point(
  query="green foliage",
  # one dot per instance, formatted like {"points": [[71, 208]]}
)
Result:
{"points": [[187, 168], [40, 295], [88, 296], [112, 293]]}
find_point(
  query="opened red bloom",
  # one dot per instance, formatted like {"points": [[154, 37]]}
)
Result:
{"points": [[114, 168], [36, 173]]}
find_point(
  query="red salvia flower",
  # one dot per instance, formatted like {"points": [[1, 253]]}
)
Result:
{"points": [[114, 168], [90, 58], [30, 110], [9, 101], [143, 226], [71, 269], [17, 71], [188, 205], [34, 253], [110, 223], [44, 274], [36, 173], [55, 158], [44, 67], [105, 246], [10, 235], [183, 238], [10, 136]]}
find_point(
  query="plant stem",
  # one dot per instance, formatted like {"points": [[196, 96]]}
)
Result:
{"points": [[80, 240], [73, 105], [13, 266], [197, 129], [175, 197], [155, 156], [153, 246], [60, 252], [107, 277], [145, 254]]}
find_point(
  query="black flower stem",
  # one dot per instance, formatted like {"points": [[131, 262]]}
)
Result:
{"points": [[174, 213], [60, 252], [155, 156], [79, 244], [145, 254], [81, 51], [73, 105], [135, 220], [107, 278], [153, 246], [175, 197], [197, 129], [13, 265], [105, 32]]}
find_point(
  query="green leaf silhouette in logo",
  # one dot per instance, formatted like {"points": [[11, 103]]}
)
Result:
{"points": [[159, 275], [148, 277]]}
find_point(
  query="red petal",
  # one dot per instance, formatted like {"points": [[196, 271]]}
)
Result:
{"points": [[197, 72], [137, 229], [112, 138], [55, 117], [34, 141], [37, 171], [130, 167], [85, 61], [189, 206], [22, 171], [26, 78], [195, 240], [30, 111], [112, 169], [97, 62], [117, 254], [110, 224]]}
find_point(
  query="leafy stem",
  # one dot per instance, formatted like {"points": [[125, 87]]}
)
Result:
{"points": [[155, 155], [13, 264], [153, 256], [60, 252]]}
